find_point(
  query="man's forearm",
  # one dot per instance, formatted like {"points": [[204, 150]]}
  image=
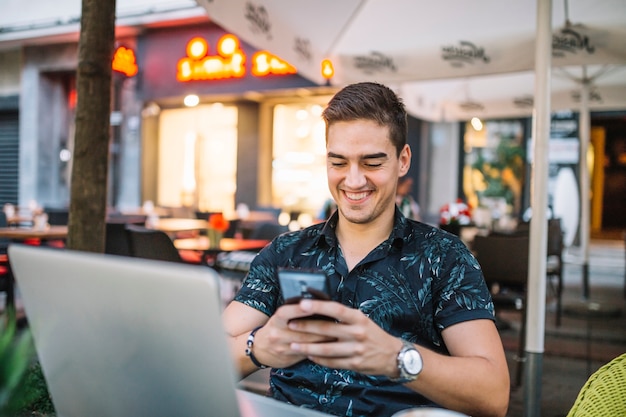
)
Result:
{"points": [[473, 385]]}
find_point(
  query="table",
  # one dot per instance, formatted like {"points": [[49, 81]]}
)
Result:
{"points": [[139, 211], [19, 218], [24, 233], [201, 243], [174, 225], [255, 405]]}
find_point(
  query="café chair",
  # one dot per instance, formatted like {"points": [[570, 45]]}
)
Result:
{"points": [[57, 216], [554, 264], [554, 260], [4, 243], [267, 230], [7, 284], [155, 244], [504, 263], [116, 241], [604, 393]]}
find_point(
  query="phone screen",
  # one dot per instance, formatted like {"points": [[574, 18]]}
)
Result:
{"points": [[297, 284]]}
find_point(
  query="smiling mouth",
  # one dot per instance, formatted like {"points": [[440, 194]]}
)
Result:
{"points": [[356, 196]]}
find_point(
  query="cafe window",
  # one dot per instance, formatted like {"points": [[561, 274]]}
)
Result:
{"points": [[198, 157], [494, 168], [299, 158]]}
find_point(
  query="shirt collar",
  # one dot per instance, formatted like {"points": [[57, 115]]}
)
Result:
{"points": [[400, 232]]}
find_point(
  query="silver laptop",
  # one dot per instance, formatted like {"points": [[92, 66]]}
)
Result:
{"points": [[119, 336]]}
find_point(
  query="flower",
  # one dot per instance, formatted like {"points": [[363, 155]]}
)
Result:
{"points": [[218, 222], [216, 228], [455, 213]]}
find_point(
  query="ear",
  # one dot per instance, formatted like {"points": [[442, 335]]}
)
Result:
{"points": [[404, 161]]}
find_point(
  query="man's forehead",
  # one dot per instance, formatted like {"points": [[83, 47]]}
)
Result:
{"points": [[358, 138]]}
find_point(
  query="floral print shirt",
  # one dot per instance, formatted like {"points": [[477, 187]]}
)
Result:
{"points": [[413, 285]]}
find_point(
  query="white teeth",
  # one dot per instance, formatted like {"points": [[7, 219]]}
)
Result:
{"points": [[356, 196]]}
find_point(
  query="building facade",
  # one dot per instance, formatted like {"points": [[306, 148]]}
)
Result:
{"points": [[254, 138]]}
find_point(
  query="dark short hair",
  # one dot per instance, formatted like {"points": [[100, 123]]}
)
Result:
{"points": [[369, 101]]}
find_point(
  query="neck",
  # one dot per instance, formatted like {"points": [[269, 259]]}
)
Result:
{"points": [[357, 240]]}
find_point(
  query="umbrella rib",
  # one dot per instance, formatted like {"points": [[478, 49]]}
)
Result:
{"points": [[346, 26], [602, 71]]}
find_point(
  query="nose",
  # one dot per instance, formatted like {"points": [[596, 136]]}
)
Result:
{"points": [[355, 177]]}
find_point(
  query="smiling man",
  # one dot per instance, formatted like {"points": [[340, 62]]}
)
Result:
{"points": [[413, 322]]}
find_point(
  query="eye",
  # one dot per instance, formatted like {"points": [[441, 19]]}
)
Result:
{"points": [[337, 162]]}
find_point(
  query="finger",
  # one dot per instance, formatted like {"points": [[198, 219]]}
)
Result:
{"points": [[332, 309], [331, 349], [289, 312], [338, 330]]}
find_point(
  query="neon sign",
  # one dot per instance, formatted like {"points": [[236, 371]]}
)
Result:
{"points": [[124, 61], [264, 63], [229, 63]]}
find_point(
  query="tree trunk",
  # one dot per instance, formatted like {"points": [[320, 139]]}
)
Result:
{"points": [[88, 197]]}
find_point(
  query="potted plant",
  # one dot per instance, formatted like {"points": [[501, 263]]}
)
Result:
{"points": [[16, 352], [23, 389], [454, 215]]}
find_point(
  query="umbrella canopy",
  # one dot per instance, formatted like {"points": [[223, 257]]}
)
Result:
{"points": [[481, 53]]}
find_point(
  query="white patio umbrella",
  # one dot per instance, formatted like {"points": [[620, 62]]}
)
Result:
{"points": [[474, 50], [481, 51], [451, 60]]}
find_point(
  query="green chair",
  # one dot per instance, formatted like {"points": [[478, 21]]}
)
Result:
{"points": [[603, 394]]}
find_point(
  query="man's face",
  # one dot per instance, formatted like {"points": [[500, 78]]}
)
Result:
{"points": [[363, 169]]}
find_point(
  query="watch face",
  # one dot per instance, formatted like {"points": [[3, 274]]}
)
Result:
{"points": [[412, 362]]}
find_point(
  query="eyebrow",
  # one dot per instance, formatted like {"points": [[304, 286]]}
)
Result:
{"points": [[370, 156]]}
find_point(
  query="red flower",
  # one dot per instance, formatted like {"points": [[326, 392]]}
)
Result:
{"points": [[455, 213], [218, 222]]}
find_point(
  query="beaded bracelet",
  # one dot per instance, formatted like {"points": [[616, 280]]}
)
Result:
{"points": [[249, 344]]}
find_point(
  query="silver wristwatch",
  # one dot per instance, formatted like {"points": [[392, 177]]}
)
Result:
{"points": [[409, 363]]}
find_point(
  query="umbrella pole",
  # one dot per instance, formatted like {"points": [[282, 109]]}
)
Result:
{"points": [[584, 181], [536, 293]]}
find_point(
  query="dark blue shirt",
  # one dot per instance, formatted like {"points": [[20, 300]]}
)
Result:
{"points": [[413, 285]]}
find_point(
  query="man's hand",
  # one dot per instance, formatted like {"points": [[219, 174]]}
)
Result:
{"points": [[273, 342], [353, 342]]}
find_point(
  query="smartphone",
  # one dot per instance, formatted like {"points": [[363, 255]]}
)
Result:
{"points": [[296, 284]]}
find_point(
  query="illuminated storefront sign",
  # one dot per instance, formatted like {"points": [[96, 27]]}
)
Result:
{"points": [[264, 63], [124, 61], [229, 63]]}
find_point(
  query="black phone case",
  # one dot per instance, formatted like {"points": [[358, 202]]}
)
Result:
{"points": [[296, 284]]}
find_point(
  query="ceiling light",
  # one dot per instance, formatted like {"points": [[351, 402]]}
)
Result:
{"points": [[191, 100], [476, 123]]}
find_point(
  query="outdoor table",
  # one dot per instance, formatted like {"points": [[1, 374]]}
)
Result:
{"points": [[19, 218], [201, 243], [25, 233], [175, 225], [140, 211]]}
